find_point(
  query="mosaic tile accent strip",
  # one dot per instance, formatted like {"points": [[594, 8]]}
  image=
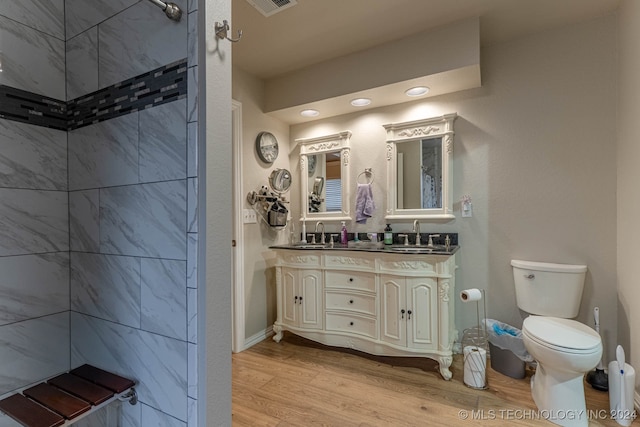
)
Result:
{"points": [[28, 107], [157, 87]]}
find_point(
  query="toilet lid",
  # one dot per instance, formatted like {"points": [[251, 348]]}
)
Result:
{"points": [[561, 333]]}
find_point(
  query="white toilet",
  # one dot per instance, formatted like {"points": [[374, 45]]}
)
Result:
{"points": [[564, 349]]}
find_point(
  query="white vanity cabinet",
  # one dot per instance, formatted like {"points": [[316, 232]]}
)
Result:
{"points": [[382, 303]]}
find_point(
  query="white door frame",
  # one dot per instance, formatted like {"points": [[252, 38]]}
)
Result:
{"points": [[238, 321]]}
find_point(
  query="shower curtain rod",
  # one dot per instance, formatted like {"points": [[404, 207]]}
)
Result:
{"points": [[170, 9]]}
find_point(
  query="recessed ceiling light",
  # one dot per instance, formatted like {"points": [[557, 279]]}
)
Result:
{"points": [[309, 113], [417, 91], [360, 102]]}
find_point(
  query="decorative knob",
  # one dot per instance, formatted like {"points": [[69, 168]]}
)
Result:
{"points": [[300, 300], [402, 312], [351, 279], [350, 301], [350, 323], [408, 314]]}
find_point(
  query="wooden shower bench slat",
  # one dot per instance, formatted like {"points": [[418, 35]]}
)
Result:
{"points": [[57, 400], [81, 388], [105, 379], [67, 398], [29, 413]]}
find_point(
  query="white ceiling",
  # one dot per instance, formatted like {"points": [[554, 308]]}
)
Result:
{"points": [[317, 30], [314, 31]]}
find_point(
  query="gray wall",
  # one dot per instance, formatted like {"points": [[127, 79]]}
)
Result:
{"points": [[34, 236], [133, 212]]}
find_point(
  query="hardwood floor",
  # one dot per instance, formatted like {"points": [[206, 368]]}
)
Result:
{"points": [[300, 383]]}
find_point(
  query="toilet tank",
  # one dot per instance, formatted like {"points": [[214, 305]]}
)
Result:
{"points": [[548, 289]]}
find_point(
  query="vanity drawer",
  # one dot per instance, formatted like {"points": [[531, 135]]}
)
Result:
{"points": [[352, 323], [350, 280], [335, 300]]}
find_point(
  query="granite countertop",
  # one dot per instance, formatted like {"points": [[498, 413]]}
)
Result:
{"points": [[373, 247]]}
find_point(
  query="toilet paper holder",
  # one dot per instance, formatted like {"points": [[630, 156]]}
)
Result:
{"points": [[475, 344]]}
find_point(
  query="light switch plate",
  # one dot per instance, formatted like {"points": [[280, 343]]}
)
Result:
{"points": [[249, 216]]}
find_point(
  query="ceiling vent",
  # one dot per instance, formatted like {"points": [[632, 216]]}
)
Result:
{"points": [[271, 7]]}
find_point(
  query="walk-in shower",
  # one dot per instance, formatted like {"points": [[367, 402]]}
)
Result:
{"points": [[170, 9]]}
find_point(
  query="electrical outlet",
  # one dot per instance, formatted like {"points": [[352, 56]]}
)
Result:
{"points": [[249, 216], [467, 210]]}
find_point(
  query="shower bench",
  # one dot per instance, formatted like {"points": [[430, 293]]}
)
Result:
{"points": [[67, 398]]}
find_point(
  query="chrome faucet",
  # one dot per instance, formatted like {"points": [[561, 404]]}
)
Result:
{"points": [[431, 236], [416, 229], [322, 238]]}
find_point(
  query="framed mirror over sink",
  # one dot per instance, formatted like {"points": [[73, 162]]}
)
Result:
{"points": [[324, 177], [420, 169]]}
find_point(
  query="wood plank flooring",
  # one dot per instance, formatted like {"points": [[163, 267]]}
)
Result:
{"points": [[300, 383]]}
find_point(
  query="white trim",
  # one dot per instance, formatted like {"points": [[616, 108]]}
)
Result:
{"points": [[257, 338], [238, 320], [636, 401]]}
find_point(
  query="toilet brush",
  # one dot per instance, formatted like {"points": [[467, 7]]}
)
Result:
{"points": [[598, 378]]}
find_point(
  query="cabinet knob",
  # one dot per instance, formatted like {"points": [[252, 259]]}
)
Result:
{"points": [[408, 314], [300, 300], [295, 299], [350, 323], [351, 279], [350, 301], [402, 312]]}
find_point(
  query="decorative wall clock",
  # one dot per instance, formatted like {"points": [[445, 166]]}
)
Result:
{"points": [[267, 147]]}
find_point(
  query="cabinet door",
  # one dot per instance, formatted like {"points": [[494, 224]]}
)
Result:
{"points": [[393, 320], [310, 299], [422, 299], [290, 296]]}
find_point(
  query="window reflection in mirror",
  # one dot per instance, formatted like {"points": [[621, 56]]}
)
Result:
{"points": [[419, 184]]}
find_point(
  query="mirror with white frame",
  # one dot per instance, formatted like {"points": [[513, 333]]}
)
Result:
{"points": [[324, 177], [420, 168]]}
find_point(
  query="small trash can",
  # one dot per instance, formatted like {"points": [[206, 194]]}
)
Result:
{"points": [[506, 349]]}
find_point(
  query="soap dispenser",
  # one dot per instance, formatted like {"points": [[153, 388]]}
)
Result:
{"points": [[343, 234], [388, 235]]}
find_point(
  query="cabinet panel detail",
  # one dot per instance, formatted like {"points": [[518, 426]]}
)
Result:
{"points": [[344, 261]]}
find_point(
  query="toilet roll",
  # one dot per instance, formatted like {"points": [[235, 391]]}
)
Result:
{"points": [[475, 366], [471, 295]]}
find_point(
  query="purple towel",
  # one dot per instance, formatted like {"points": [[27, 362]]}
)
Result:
{"points": [[364, 203]]}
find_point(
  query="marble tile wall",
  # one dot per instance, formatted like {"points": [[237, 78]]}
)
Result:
{"points": [[133, 209], [34, 213]]}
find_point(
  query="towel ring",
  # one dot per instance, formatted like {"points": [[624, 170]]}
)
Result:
{"points": [[368, 174]]}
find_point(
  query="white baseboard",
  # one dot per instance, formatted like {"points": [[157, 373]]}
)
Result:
{"points": [[636, 401], [256, 338]]}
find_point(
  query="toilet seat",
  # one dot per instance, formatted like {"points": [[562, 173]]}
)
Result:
{"points": [[564, 335]]}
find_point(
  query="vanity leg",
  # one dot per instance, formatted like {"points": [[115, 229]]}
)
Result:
{"points": [[278, 330], [445, 362]]}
